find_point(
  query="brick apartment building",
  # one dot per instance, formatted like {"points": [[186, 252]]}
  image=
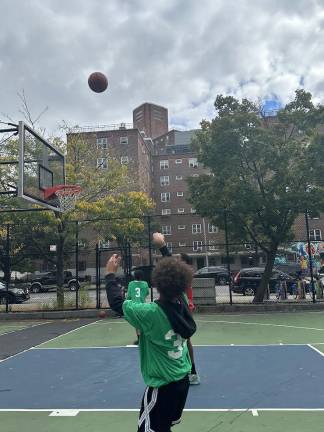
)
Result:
{"points": [[161, 160]]}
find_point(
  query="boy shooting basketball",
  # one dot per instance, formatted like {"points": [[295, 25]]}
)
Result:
{"points": [[158, 240], [165, 327]]}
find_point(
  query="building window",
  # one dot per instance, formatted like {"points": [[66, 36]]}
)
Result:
{"points": [[181, 210], [102, 163], [102, 143], [178, 161], [212, 229], [193, 163], [164, 181], [180, 194], [181, 227], [182, 244], [212, 246], [169, 246], [166, 229], [124, 160], [315, 235], [166, 212], [178, 177], [165, 196], [164, 164], [104, 244], [123, 140], [314, 215], [196, 228], [197, 245], [193, 210]]}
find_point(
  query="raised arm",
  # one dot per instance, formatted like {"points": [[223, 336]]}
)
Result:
{"points": [[113, 287], [158, 241]]}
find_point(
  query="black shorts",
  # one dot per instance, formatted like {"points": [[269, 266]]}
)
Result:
{"points": [[162, 407]]}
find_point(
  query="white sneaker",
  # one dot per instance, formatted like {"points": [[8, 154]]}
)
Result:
{"points": [[194, 379]]}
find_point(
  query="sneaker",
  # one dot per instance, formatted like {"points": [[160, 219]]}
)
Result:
{"points": [[194, 379]]}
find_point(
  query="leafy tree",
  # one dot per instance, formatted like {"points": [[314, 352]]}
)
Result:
{"points": [[106, 193], [263, 171]]}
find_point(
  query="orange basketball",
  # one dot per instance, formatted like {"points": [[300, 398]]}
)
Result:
{"points": [[98, 82], [102, 314]]}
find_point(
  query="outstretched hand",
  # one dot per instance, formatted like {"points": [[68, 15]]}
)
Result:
{"points": [[158, 239], [113, 264]]}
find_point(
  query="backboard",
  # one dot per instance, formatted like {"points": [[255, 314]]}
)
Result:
{"points": [[41, 166]]}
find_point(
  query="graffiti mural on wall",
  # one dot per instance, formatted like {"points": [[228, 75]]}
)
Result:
{"points": [[302, 254]]}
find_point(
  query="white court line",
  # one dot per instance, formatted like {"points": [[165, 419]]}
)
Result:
{"points": [[83, 347], [315, 349], [260, 345], [36, 346], [262, 324], [64, 413], [261, 313], [195, 345], [64, 334], [108, 410], [255, 413], [23, 328]]}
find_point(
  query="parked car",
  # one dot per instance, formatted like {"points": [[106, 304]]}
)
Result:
{"points": [[44, 282], [220, 274], [14, 295], [247, 280], [292, 269]]}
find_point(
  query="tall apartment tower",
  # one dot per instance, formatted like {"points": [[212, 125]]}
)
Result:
{"points": [[152, 119]]}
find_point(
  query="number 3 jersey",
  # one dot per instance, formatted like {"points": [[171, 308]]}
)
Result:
{"points": [[137, 291], [165, 329]]}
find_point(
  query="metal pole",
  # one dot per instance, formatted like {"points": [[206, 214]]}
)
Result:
{"points": [[310, 259], [97, 276], [205, 240], [77, 264], [8, 266], [150, 252], [227, 258]]}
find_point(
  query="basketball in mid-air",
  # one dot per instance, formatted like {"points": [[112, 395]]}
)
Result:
{"points": [[98, 82]]}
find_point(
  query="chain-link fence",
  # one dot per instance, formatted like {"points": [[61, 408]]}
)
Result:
{"points": [[58, 266]]}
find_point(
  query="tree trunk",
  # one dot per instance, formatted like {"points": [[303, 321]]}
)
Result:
{"points": [[271, 255], [60, 265]]}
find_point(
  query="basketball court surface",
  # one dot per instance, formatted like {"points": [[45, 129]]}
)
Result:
{"points": [[258, 372]]}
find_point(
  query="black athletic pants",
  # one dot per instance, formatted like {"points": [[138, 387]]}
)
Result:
{"points": [[162, 407]]}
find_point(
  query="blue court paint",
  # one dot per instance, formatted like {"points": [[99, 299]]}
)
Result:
{"points": [[232, 377]]}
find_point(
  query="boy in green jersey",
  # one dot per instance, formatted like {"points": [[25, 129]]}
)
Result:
{"points": [[165, 327], [137, 291]]}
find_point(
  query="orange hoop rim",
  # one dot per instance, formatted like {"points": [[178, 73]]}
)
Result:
{"points": [[61, 190]]}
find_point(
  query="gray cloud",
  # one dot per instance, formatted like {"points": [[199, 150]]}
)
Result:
{"points": [[177, 53]]}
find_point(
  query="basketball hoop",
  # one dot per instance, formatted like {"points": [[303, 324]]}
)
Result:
{"points": [[66, 196]]}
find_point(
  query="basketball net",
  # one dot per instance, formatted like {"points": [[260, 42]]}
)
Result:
{"points": [[67, 196]]}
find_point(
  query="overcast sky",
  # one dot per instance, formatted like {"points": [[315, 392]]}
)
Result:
{"points": [[176, 53]]}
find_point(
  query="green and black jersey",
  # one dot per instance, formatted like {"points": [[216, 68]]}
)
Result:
{"points": [[164, 354]]}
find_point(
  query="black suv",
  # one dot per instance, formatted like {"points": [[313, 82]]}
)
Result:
{"points": [[15, 295], [44, 282], [247, 280], [220, 274]]}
